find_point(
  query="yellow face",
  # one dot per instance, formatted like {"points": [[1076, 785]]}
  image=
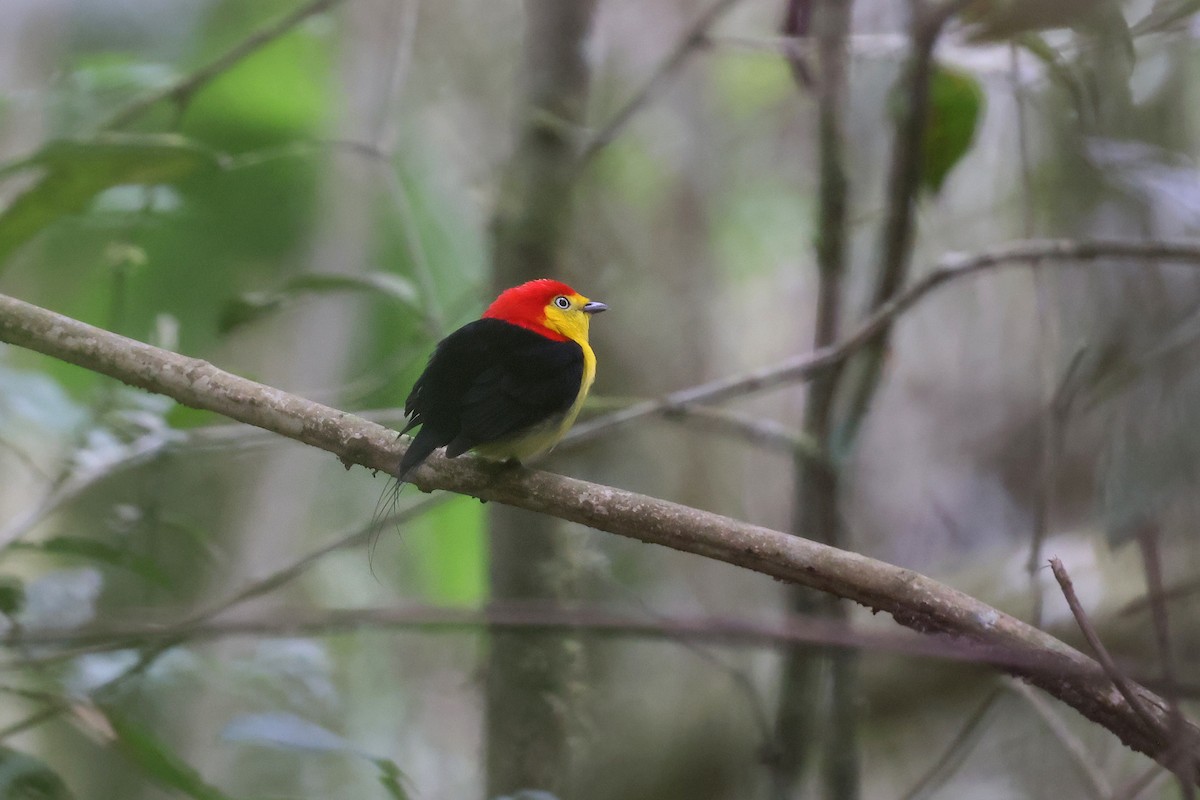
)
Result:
{"points": [[570, 314]]}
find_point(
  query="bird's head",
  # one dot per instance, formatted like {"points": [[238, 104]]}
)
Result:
{"points": [[548, 307]]}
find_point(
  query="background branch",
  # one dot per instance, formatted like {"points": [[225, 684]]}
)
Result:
{"points": [[803, 722], [695, 36], [182, 90], [1037, 254]]}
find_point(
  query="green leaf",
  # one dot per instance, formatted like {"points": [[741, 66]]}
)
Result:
{"points": [[252, 306], [158, 761], [23, 777], [102, 552], [955, 102], [73, 171], [12, 598], [391, 778]]}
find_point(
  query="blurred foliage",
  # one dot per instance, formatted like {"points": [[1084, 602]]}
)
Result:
{"points": [[158, 761], [317, 217], [23, 777], [71, 173], [956, 102], [450, 554]]}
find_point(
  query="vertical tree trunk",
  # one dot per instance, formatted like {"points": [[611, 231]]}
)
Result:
{"points": [[802, 720], [531, 677]]}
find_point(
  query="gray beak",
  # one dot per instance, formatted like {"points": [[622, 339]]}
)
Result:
{"points": [[594, 308]]}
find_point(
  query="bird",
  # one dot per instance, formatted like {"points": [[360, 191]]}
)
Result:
{"points": [[509, 385]]}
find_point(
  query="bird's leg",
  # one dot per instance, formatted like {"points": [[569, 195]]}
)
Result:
{"points": [[497, 469]]}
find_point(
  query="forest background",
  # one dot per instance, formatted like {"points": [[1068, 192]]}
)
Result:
{"points": [[312, 194]]}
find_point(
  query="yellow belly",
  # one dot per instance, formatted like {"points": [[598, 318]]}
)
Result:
{"points": [[542, 438]]}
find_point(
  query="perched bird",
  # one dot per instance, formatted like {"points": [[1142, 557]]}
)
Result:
{"points": [[508, 385]]}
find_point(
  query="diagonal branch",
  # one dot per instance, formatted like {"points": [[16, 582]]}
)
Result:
{"points": [[693, 37], [183, 89], [914, 600], [1034, 254], [1124, 685]]}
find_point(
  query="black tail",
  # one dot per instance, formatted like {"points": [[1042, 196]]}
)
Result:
{"points": [[424, 443]]}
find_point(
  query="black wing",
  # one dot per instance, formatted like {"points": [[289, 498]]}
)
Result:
{"points": [[487, 381]]}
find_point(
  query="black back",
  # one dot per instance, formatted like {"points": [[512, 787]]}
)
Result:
{"points": [[486, 382]]}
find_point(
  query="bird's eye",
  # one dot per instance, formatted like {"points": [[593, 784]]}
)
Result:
{"points": [[562, 302]]}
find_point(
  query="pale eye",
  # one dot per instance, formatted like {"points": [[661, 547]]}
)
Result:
{"points": [[562, 302]]}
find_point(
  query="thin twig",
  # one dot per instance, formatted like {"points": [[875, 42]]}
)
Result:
{"points": [[44, 714], [182, 90], [899, 230], [1180, 591], [74, 483], [722, 631], [1152, 564], [797, 21], [960, 745], [435, 318], [25, 457], [752, 430], [1088, 769], [693, 37], [1123, 684], [182, 631], [1052, 434], [1034, 254], [1048, 428], [358, 535]]}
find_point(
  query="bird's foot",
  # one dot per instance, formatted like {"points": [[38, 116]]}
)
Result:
{"points": [[498, 469]]}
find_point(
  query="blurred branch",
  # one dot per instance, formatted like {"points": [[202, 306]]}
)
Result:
{"points": [[1088, 769], [904, 181], [713, 630], [914, 600], [695, 36], [1052, 433], [182, 90], [816, 493], [797, 20], [963, 741], [1033, 254], [1148, 541], [73, 484], [754, 430], [21, 454], [1178, 592], [194, 626], [761, 432]]}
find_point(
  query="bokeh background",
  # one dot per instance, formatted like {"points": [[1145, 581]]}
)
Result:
{"points": [[320, 213]]}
